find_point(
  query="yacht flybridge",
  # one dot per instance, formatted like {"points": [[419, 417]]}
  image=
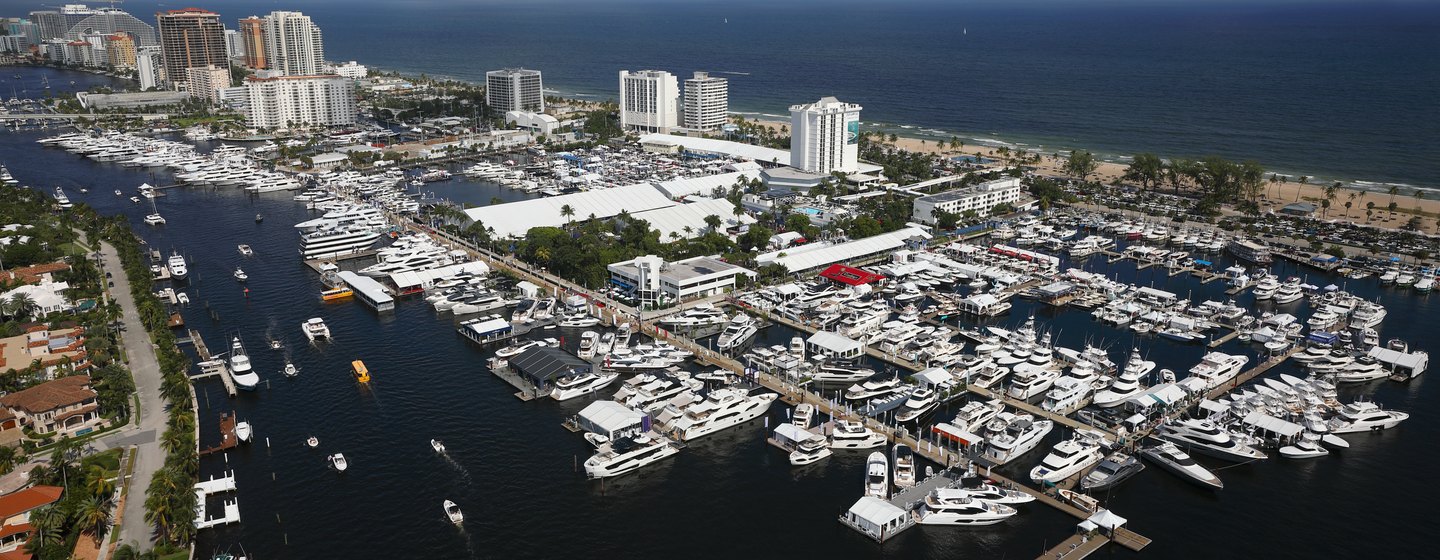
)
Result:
{"points": [[240, 368]]}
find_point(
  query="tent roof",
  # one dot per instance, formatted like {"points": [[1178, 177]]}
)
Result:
{"points": [[834, 342], [876, 510], [514, 219], [1107, 519], [1273, 424], [543, 363], [609, 416]]}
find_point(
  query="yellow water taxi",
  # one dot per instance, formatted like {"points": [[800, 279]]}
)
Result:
{"points": [[362, 374], [336, 293]]}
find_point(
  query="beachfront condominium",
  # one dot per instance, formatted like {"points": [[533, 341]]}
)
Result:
{"points": [[825, 136], [514, 89], [190, 38], [980, 199], [148, 67], [120, 48], [74, 21], [649, 101], [293, 44], [252, 39], [286, 101], [707, 100]]}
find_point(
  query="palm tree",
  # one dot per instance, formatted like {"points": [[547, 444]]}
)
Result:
{"points": [[22, 305], [1330, 193], [48, 522], [1392, 191], [8, 457], [98, 482], [93, 515], [713, 222], [567, 212]]}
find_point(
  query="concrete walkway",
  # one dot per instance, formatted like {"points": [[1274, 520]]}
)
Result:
{"points": [[144, 432]]}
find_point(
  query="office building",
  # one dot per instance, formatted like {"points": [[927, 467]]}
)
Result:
{"points": [[293, 44], [120, 49], [514, 89], [825, 136], [285, 101], [252, 38], [707, 100], [653, 281], [981, 199], [649, 101], [206, 82], [190, 38], [148, 67]]}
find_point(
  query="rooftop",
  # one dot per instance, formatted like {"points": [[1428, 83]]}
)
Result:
{"points": [[51, 395], [21, 501]]}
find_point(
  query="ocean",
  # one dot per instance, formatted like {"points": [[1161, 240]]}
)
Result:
{"points": [[1332, 89]]}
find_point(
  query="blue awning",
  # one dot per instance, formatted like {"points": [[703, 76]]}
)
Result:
{"points": [[621, 283], [1203, 263]]}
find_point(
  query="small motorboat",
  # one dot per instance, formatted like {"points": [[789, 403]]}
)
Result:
{"points": [[240, 274], [1306, 447], [439, 447], [338, 462], [182, 297], [244, 431], [117, 192], [290, 370], [276, 344], [453, 512], [259, 218], [246, 250], [135, 199], [312, 441]]}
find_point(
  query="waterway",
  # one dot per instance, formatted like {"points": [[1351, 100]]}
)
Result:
{"points": [[512, 467]]}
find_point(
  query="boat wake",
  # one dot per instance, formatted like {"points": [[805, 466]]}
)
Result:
{"points": [[464, 473]]}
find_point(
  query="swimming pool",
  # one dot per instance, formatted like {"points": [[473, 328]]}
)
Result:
{"points": [[810, 211]]}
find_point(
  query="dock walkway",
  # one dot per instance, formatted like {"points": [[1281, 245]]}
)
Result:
{"points": [[209, 367], [1074, 548]]}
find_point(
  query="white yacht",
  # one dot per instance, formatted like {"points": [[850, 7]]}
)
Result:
{"points": [[1067, 394], [649, 392], [330, 242], [810, 450], [955, 506], [840, 373], [740, 329], [245, 250], [240, 369], [1172, 459], [877, 476], [698, 316], [1216, 368], [579, 385], [62, 200], [1266, 288], [1029, 381], [986, 492], [1204, 437], [1010, 435], [903, 459], [176, 263], [920, 402], [1127, 384], [1307, 446], [315, 328], [722, 408], [452, 511], [1070, 457], [244, 431], [628, 454], [338, 462], [1364, 416], [1289, 292], [973, 416], [241, 275], [850, 434], [519, 348], [872, 389]]}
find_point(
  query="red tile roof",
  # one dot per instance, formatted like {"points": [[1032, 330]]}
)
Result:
{"points": [[21, 501], [51, 395]]}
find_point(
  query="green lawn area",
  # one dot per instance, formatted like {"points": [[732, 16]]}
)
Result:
{"points": [[75, 248], [183, 555]]}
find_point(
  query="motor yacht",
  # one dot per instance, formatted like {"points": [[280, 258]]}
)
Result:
{"points": [[803, 415], [810, 450], [973, 416], [1364, 416], [245, 250], [872, 389], [1029, 382], [919, 403], [176, 263], [877, 476], [1266, 288], [723, 408], [1359, 371], [579, 321], [834, 372], [954, 506], [452, 511], [1217, 368], [987, 492], [1070, 457], [315, 328], [1289, 292], [740, 330], [628, 454], [1127, 384], [581, 384], [1169, 457], [240, 369], [1114, 469], [1206, 438], [1010, 435], [699, 316], [850, 434], [903, 459], [520, 347], [1067, 394]]}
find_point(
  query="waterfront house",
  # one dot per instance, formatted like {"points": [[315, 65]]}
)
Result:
{"points": [[50, 350], [15, 509], [65, 406]]}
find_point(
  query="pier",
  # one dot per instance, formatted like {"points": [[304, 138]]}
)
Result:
{"points": [[228, 440], [230, 509], [209, 366]]}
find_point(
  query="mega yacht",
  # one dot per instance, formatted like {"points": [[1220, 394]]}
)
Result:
{"points": [[872, 389], [698, 316], [955, 506], [850, 434], [973, 416], [628, 454], [62, 200], [1029, 381], [722, 408], [1249, 251], [1216, 368], [1067, 394], [1171, 458], [176, 263], [740, 329], [1266, 288], [338, 241], [1069, 457], [579, 385], [362, 216], [877, 476], [987, 492], [315, 328], [240, 369], [1364, 416], [1204, 437], [1289, 291], [1010, 435], [920, 402], [520, 347], [1127, 384]]}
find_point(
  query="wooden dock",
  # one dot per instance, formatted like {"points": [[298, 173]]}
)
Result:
{"points": [[208, 367], [1074, 548], [227, 435], [314, 264], [525, 390]]}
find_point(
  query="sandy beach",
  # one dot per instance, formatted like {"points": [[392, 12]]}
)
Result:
{"points": [[1276, 195]]}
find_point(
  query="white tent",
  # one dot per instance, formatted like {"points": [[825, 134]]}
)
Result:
{"points": [[1107, 520], [876, 517], [610, 419]]}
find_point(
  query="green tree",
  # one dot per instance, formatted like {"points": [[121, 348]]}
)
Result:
{"points": [[92, 515], [713, 222], [568, 212], [1081, 165], [1146, 169]]}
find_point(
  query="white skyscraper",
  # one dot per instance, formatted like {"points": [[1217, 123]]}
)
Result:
{"points": [[282, 101], [515, 89], [234, 46], [148, 67], [707, 100], [649, 101], [293, 44], [825, 136]]}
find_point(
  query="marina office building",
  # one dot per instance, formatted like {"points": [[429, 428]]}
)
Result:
{"points": [[980, 198], [653, 280]]}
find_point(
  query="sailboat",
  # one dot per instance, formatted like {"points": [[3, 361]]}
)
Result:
{"points": [[154, 219], [45, 80]]}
